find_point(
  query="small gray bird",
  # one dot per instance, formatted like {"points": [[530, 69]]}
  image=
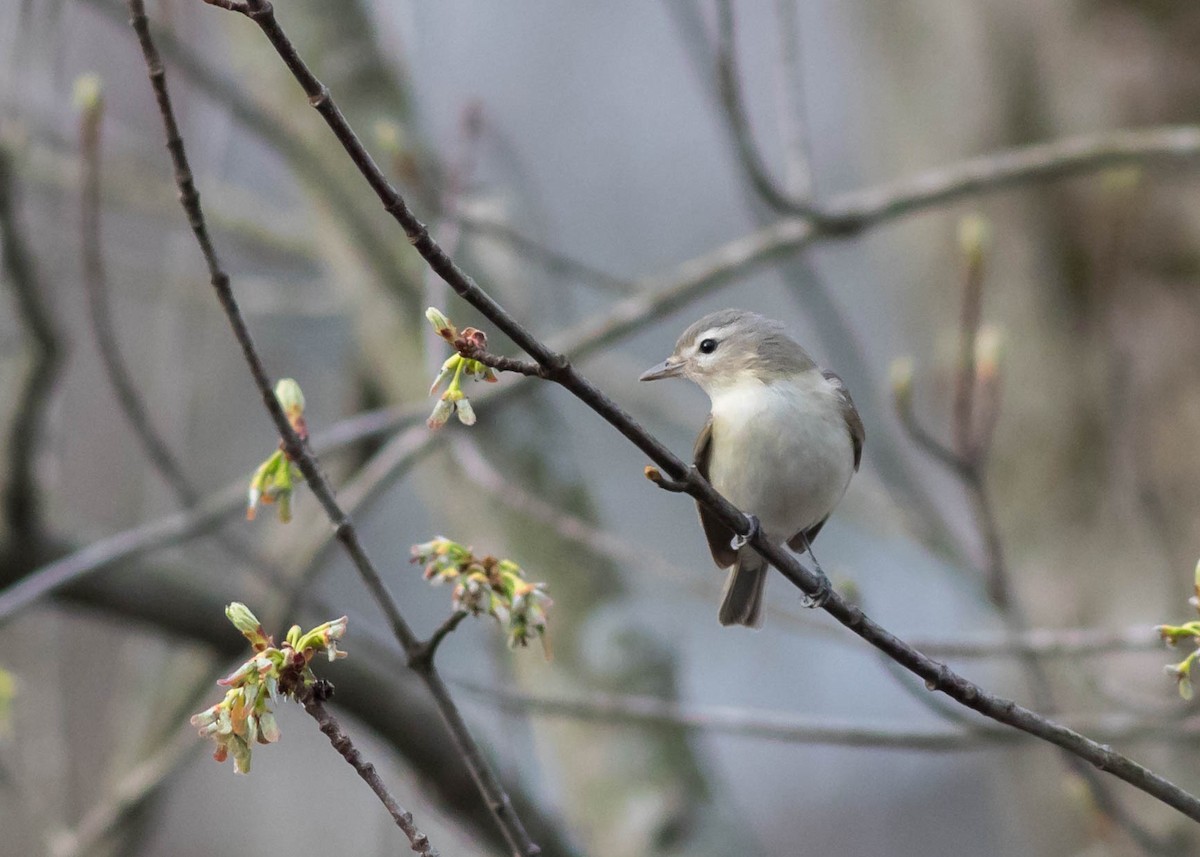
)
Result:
{"points": [[781, 443]]}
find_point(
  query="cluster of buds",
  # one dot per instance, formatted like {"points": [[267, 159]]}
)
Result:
{"points": [[276, 478], [454, 401], [245, 716], [488, 586], [1173, 634]]}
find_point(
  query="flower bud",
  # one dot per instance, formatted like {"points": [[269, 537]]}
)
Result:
{"points": [[466, 414], [441, 324], [441, 414]]}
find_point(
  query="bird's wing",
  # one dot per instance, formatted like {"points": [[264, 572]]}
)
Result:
{"points": [[854, 423], [858, 435], [719, 536], [796, 542]]}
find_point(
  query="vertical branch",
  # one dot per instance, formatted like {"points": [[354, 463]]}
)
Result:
{"points": [[793, 125], [975, 410], [21, 505], [732, 102], [971, 238], [96, 288]]}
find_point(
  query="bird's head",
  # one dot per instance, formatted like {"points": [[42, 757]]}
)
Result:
{"points": [[733, 346]]}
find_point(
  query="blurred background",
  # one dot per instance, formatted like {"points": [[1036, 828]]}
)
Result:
{"points": [[581, 161]]}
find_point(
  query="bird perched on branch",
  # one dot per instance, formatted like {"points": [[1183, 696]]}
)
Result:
{"points": [[781, 443]]}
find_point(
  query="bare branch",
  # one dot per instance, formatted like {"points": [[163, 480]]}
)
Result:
{"points": [[131, 791], [95, 282], [22, 511], [937, 676], [739, 125], [549, 258], [790, 728], [1040, 162], [314, 704]]}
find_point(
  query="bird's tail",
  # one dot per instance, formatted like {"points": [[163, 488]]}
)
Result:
{"points": [[741, 603]]}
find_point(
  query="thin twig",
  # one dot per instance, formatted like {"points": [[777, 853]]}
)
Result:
{"points": [[793, 124], [95, 282], [314, 704], [938, 677], [489, 785], [739, 124], [502, 364], [790, 728], [426, 651], [22, 506], [133, 789], [972, 422], [552, 260]]}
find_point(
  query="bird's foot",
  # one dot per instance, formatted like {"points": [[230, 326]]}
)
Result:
{"points": [[818, 598], [739, 541]]}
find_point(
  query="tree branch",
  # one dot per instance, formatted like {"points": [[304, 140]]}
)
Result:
{"points": [[22, 512], [95, 283], [730, 91], [314, 703], [789, 728], [489, 785], [937, 676]]}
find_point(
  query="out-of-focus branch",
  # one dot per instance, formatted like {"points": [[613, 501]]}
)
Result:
{"points": [[789, 84], [309, 165], [489, 785], [975, 411], [549, 258], [95, 281], [131, 791], [22, 513], [739, 124], [1039, 162], [937, 676], [314, 704], [787, 727]]}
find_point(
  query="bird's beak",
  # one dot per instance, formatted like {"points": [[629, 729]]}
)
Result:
{"points": [[672, 367]]}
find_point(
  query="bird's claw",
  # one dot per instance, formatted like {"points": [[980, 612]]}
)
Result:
{"points": [[739, 541], [818, 598]]}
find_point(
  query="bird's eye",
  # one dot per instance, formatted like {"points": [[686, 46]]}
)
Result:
{"points": [[708, 346]]}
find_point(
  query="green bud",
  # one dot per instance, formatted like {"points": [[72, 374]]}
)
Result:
{"points": [[244, 619], [441, 324], [290, 397], [973, 238], [88, 92]]}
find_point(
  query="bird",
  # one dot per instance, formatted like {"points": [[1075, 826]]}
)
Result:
{"points": [[781, 443]]}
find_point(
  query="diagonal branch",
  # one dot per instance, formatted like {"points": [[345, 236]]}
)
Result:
{"points": [[314, 704], [486, 780], [937, 676]]}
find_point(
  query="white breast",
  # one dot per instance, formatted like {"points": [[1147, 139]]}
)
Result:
{"points": [[781, 451]]}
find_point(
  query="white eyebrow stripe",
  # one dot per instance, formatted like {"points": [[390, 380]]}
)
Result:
{"points": [[712, 332]]}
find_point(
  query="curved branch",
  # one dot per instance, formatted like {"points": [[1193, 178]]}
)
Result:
{"points": [[21, 508]]}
